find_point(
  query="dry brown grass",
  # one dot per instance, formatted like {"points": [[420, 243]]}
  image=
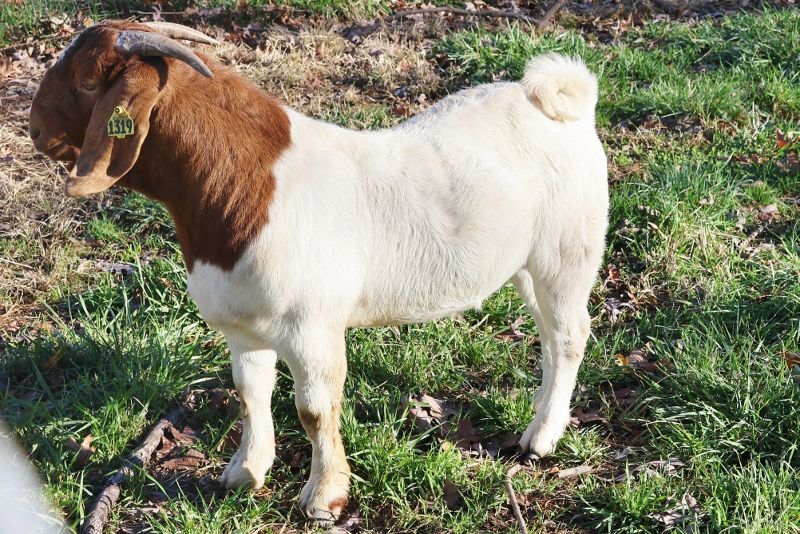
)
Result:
{"points": [[39, 228], [321, 73]]}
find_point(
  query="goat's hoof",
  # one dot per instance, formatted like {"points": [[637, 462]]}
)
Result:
{"points": [[242, 472], [324, 500], [540, 441]]}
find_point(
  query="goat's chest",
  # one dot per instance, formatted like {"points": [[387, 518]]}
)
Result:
{"points": [[231, 301]]}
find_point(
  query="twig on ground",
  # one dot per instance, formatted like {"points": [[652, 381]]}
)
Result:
{"points": [[105, 501], [512, 497], [574, 471], [461, 12], [550, 13]]}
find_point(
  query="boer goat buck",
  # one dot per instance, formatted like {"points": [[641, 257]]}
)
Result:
{"points": [[293, 230]]}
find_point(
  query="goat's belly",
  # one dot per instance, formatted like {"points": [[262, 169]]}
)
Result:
{"points": [[416, 300]]}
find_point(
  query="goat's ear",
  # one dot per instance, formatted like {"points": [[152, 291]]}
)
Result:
{"points": [[104, 159]]}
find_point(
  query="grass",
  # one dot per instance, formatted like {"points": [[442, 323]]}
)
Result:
{"points": [[688, 113], [39, 18]]}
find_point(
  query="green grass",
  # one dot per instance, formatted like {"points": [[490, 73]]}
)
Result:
{"points": [[33, 17], [718, 302]]}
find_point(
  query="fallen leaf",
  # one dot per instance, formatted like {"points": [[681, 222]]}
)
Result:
{"points": [[623, 453], [767, 213], [516, 334], [298, 459], [6, 67], [687, 508], [191, 460], [233, 438], [624, 396], [352, 523], [496, 445], [465, 435], [792, 359], [122, 269], [185, 436], [428, 412], [164, 447], [84, 450], [580, 419], [638, 359], [452, 495], [224, 403], [781, 141], [669, 466]]}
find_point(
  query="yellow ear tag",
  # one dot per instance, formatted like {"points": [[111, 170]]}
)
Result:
{"points": [[120, 124]]}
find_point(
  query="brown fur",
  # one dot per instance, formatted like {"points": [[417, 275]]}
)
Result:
{"points": [[337, 505], [210, 148], [310, 421]]}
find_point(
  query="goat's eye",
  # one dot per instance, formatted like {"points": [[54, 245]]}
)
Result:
{"points": [[88, 86]]}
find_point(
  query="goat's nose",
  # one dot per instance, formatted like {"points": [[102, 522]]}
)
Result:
{"points": [[35, 132]]}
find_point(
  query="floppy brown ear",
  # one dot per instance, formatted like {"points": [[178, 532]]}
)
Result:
{"points": [[105, 159]]}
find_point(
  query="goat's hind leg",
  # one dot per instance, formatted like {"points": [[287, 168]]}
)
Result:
{"points": [[254, 377], [523, 282], [563, 323]]}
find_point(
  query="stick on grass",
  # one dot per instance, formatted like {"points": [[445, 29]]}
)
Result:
{"points": [[105, 501], [512, 497]]}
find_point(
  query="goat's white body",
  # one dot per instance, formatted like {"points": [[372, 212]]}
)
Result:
{"points": [[407, 225], [410, 224]]}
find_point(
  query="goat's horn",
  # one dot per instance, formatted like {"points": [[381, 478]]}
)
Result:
{"points": [[155, 44], [179, 31]]}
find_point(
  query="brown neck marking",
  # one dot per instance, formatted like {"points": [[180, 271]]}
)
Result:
{"points": [[209, 158]]}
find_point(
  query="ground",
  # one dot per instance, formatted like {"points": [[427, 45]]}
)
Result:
{"points": [[686, 416]]}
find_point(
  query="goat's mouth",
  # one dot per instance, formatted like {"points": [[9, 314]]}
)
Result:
{"points": [[65, 153]]}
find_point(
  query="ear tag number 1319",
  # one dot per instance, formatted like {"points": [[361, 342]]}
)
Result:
{"points": [[120, 124]]}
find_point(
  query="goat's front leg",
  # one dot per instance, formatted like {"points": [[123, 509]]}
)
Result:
{"points": [[319, 366], [254, 377]]}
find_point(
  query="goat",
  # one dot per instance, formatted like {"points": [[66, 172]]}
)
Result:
{"points": [[293, 230]]}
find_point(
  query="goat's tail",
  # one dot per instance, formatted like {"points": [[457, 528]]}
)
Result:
{"points": [[560, 86]]}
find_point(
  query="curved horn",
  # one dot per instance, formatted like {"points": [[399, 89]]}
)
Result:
{"points": [[179, 31], [155, 44]]}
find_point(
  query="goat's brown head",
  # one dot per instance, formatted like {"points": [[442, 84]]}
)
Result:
{"points": [[110, 68]]}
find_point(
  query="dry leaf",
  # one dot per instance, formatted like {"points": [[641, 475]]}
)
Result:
{"points": [[669, 466], [516, 334], [122, 269], [428, 412], [465, 435], [352, 523], [792, 359], [232, 438], [452, 496], [580, 419], [191, 460], [688, 508], [638, 359], [767, 213], [84, 450]]}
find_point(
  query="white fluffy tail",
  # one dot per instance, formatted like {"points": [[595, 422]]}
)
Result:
{"points": [[562, 87]]}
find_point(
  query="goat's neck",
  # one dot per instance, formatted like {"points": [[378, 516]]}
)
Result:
{"points": [[208, 157]]}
